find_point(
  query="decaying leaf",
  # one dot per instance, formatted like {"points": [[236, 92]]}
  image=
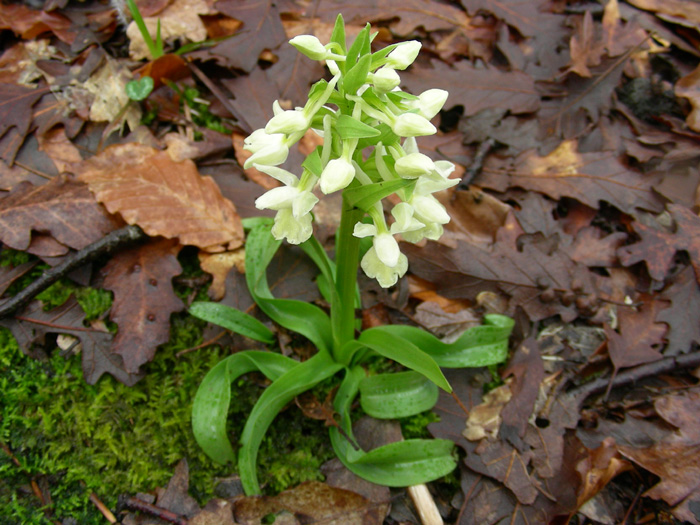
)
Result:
{"points": [[16, 103], [143, 299], [219, 265], [163, 197], [63, 208], [485, 419], [639, 339]]}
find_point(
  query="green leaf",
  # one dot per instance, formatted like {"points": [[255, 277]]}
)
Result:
{"points": [[350, 128], [338, 36], [379, 58], [313, 162], [297, 380], [357, 75], [253, 222], [356, 49], [301, 317], [364, 197], [233, 320], [139, 89], [398, 464], [404, 352], [211, 403], [402, 394], [479, 346]]}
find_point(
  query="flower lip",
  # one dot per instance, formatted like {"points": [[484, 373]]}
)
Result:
{"points": [[337, 174]]}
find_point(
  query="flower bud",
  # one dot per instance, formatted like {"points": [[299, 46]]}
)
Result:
{"points": [[270, 150], [403, 55], [414, 165], [277, 198], [430, 102], [387, 249], [412, 125], [385, 79], [429, 207], [287, 122], [337, 174], [310, 46]]}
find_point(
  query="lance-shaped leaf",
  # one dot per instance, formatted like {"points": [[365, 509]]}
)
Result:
{"points": [[232, 319], [402, 394], [211, 403]]}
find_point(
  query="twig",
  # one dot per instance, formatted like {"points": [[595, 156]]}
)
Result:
{"points": [[108, 244], [425, 505], [667, 364], [477, 163], [102, 508], [204, 344], [211, 86], [153, 510]]}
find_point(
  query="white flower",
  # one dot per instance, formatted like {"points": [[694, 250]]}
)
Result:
{"points": [[293, 204], [337, 174], [385, 79], [403, 55], [268, 149], [412, 125], [414, 165], [288, 122], [295, 230], [404, 219], [429, 103], [375, 268]]}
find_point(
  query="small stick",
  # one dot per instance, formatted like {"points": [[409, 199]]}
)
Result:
{"points": [[154, 510], [107, 244], [102, 508], [477, 163], [425, 505], [667, 364]]}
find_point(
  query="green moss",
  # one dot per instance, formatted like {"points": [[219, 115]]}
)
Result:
{"points": [[416, 427]]}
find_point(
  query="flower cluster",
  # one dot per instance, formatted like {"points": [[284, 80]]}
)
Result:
{"points": [[368, 127]]}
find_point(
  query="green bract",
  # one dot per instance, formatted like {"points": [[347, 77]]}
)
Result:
{"points": [[369, 153]]}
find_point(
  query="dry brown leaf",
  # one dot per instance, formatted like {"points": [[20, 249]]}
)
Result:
{"points": [[585, 47], [598, 469], [59, 149], [689, 87], [143, 299], [163, 197], [485, 419], [218, 265]]}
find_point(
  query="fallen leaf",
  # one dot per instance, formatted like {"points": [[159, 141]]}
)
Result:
{"points": [[175, 497], [143, 299], [475, 89], [219, 265], [30, 23], [658, 247], [64, 208], [586, 177], [16, 114], [586, 47], [598, 469], [448, 326], [484, 420], [683, 314], [521, 14], [313, 502], [163, 197], [179, 20], [640, 337], [262, 29], [62, 152], [33, 324], [678, 8]]}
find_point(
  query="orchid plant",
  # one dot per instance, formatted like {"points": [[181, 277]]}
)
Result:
{"points": [[369, 129]]}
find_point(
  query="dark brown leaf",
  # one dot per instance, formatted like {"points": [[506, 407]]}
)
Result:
{"points": [[63, 208], [639, 339], [262, 29], [683, 315], [521, 14], [16, 114], [143, 299], [586, 177], [32, 325], [475, 89]]}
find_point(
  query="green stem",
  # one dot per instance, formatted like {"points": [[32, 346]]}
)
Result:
{"points": [[347, 257]]}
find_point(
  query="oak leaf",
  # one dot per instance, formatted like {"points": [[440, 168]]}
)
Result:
{"points": [[33, 324], [586, 177], [683, 315], [262, 29], [658, 247], [16, 114], [586, 47], [639, 339], [521, 14], [143, 299], [162, 196], [63, 208], [475, 89]]}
